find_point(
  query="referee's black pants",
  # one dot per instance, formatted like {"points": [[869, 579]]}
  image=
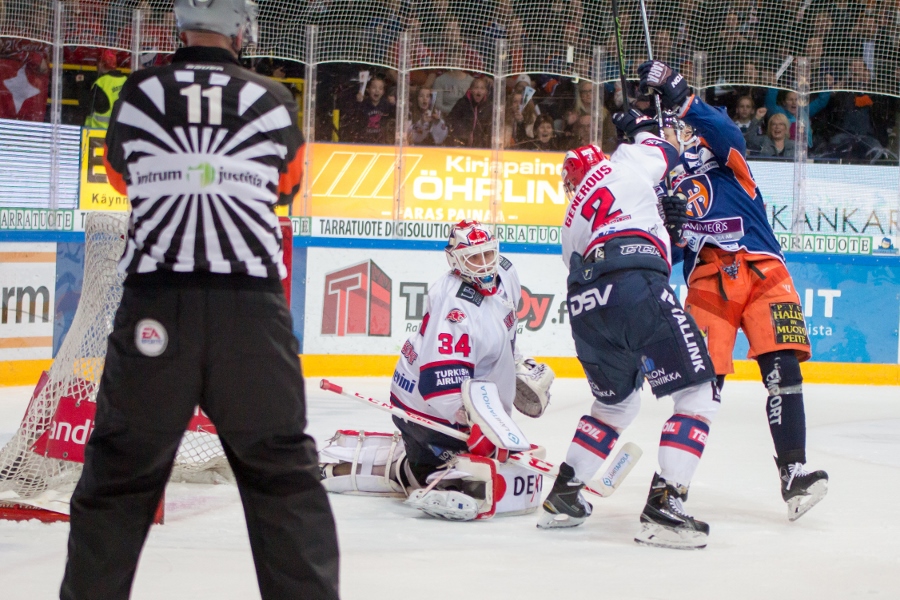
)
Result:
{"points": [[230, 349]]}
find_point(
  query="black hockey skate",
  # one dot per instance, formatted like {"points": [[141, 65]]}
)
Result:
{"points": [[565, 506], [801, 489], [664, 522]]}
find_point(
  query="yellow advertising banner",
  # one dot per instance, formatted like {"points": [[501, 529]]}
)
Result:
{"points": [[95, 193], [439, 184]]}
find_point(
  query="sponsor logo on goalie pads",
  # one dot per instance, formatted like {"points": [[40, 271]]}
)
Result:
{"points": [[533, 380], [359, 453], [484, 408]]}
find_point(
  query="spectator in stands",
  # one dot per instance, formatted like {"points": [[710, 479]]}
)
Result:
{"points": [[787, 103], [865, 34], [820, 74], [83, 28], [748, 118], [856, 131], [545, 138], [368, 119], [383, 29], [158, 39], [454, 50], [730, 39], [520, 118], [451, 86], [426, 126], [776, 142], [583, 103], [105, 91], [470, 120], [582, 132]]}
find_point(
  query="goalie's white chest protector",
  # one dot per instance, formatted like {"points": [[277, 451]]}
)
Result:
{"points": [[463, 335]]}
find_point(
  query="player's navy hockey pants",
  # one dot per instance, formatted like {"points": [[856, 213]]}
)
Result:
{"points": [[225, 343]]}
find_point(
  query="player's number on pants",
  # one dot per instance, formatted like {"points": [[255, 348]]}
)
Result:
{"points": [[597, 210], [461, 347], [195, 94]]}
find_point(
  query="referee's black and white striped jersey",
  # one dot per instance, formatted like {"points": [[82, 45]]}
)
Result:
{"points": [[205, 150]]}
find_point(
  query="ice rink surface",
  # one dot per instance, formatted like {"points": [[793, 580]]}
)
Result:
{"points": [[846, 547]]}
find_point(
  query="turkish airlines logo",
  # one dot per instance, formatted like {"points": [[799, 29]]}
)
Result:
{"points": [[357, 301]]}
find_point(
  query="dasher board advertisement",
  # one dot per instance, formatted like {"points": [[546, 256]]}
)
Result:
{"points": [[27, 300], [368, 302]]}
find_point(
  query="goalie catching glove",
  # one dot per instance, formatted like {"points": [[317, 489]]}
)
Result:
{"points": [[533, 380]]}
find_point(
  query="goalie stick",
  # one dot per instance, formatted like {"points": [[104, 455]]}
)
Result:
{"points": [[618, 468]]}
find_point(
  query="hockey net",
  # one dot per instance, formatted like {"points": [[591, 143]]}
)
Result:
{"points": [[32, 479]]}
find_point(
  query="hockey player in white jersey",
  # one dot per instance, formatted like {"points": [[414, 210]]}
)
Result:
{"points": [[468, 332], [628, 326]]}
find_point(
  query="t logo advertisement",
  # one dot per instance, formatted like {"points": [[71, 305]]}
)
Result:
{"points": [[357, 301], [416, 294]]}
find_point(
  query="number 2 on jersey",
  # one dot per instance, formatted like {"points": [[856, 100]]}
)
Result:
{"points": [[195, 94], [461, 347], [597, 209]]}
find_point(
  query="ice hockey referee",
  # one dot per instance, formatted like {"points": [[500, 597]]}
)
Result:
{"points": [[205, 149]]}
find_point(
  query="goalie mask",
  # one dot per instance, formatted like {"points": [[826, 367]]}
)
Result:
{"points": [[576, 165], [473, 254]]}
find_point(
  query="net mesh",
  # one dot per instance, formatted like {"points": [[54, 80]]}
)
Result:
{"points": [[745, 42], [76, 372]]}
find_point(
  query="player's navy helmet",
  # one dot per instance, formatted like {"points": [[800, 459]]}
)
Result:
{"points": [[474, 255], [226, 17], [576, 165]]}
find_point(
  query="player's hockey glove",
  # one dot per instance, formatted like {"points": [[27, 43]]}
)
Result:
{"points": [[659, 78], [633, 122], [480, 445], [675, 215]]}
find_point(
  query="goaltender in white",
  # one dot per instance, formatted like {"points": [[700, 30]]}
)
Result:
{"points": [[467, 339]]}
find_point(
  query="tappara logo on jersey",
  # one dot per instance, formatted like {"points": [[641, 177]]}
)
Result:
{"points": [[456, 316], [698, 191], [357, 301]]}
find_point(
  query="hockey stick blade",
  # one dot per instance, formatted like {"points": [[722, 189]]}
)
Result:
{"points": [[618, 469]]}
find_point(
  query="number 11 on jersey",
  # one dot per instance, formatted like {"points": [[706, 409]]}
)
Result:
{"points": [[195, 94]]}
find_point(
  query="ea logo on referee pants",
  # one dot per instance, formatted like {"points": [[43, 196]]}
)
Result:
{"points": [[150, 337]]}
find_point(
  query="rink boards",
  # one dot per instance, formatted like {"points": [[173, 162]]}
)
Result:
{"points": [[355, 302]]}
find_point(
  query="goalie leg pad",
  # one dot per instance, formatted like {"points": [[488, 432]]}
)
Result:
{"points": [[464, 491], [477, 488], [484, 408], [373, 460], [518, 492]]}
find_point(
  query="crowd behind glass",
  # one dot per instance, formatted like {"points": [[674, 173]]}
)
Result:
{"points": [[357, 103]]}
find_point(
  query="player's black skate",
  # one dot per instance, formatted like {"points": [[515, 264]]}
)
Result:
{"points": [[565, 506], [801, 489], [664, 522]]}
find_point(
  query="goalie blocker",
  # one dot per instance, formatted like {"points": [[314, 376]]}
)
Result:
{"points": [[469, 487]]}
